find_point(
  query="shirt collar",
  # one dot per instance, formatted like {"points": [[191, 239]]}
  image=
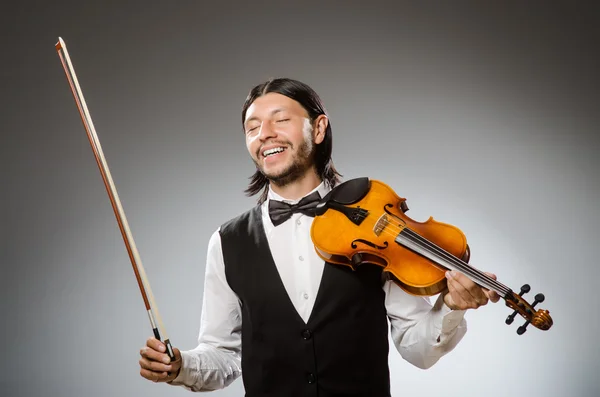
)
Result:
{"points": [[323, 189]]}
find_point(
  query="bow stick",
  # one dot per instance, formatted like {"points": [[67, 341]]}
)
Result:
{"points": [[155, 319]]}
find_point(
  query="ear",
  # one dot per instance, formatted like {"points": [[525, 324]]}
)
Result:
{"points": [[321, 123]]}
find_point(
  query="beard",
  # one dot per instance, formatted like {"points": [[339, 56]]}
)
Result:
{"points": [[302, 161]]}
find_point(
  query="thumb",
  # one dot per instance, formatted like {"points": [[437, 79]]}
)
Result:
{"points": [[449, 301]]}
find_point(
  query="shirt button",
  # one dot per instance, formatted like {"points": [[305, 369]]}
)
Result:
{"points": [[298, 222], [310, 378], [305, 296], [301, 257]]}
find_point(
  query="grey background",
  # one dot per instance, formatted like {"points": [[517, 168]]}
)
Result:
{"points": [[485, 117]]}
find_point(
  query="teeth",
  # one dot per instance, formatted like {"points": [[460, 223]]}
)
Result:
{"points": [[273, 151]]}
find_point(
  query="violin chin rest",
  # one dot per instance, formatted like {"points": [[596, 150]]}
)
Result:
{"points": [[349, 192]]}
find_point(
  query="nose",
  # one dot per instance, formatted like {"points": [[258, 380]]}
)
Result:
{"points": [[266, 131]]}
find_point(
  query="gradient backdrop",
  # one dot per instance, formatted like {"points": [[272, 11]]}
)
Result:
{"points": [[485, 117]]}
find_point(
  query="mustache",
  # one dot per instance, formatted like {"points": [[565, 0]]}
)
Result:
{"points": [[283, 143]]}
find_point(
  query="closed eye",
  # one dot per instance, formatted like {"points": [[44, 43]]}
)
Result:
{"points": [[282, 120]]}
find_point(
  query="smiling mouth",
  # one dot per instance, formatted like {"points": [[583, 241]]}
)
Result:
{"points": [[273, 151]]}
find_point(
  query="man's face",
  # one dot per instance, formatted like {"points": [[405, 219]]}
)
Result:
{"points": [[279, 138]]}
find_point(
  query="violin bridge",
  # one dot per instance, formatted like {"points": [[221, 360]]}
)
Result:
{"points": [[381, 224]]}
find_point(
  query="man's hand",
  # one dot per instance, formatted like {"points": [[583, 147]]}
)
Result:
{"points": [[156, 365], [464, 294]]}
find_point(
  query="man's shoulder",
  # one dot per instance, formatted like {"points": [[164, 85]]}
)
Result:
{"points": [[241, 221]]}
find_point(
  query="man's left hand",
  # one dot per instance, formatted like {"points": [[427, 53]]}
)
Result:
{"points": [[464, 294]]}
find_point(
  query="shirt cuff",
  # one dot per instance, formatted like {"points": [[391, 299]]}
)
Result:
{"points": [[187, 375], [447, 320]]}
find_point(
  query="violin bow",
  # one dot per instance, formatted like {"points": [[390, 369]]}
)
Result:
{"points": [[151, 307]]}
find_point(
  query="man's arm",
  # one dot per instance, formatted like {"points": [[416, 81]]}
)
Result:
{"points": [[422, 333], [216, 362]]}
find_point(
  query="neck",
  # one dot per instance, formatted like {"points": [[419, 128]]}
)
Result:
{"points": [[298, 188]]}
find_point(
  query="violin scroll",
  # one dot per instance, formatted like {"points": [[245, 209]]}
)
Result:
{"points": [[540, 319]]}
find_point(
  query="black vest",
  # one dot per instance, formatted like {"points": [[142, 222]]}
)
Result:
{"points": [[341, 351]]}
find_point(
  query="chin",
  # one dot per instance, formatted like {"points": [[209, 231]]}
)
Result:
{"points": [[276, 171], [276, 176]]}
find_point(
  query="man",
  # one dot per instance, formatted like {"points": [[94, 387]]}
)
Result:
{"points": [[272, 309]]}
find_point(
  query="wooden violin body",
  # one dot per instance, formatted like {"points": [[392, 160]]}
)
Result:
{"points": [[364, 221], [356, 244]]}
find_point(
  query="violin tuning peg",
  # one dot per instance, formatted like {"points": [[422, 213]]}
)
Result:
{"points": [[524, 289], [511, 317], [521, 330], [540, 319], [537, 299]]}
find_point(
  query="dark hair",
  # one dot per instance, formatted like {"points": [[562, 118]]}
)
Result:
{"points": [[313, 105]]}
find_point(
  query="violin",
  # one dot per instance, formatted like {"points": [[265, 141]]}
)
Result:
{"points": [[363, 221]]}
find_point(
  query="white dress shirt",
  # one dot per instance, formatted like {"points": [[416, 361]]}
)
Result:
{"points": [[421, 332]]}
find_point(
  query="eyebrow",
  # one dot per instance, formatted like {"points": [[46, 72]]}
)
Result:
{"points": [[273, 112]]}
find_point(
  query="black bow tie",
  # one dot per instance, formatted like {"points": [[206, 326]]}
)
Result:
{"points": [[280, 211]]}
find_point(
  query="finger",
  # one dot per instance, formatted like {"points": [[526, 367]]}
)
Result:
{"points": [[491, 275], [492, 295], [155, 344], [153, 355], [154, 376], [177, 354], [177, 363], [474, 290], [450, 302], [154, 365], [453, 293], [459, 292]]}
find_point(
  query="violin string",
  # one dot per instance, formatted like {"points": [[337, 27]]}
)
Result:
{"points": [[392, 230], [462, 266], [444, 255], [458, 264]]}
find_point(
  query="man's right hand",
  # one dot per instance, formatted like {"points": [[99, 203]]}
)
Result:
{"points": [[156, 365]]}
